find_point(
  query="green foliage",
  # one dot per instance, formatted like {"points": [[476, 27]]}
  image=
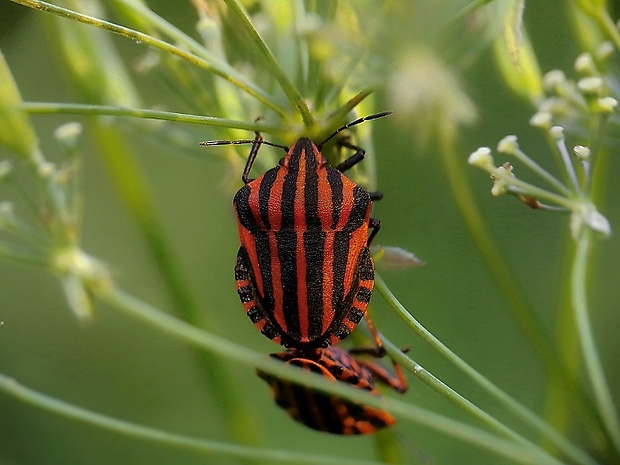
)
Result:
{"points": [[150, 212]]}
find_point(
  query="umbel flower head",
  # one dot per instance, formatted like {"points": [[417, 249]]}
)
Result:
{"points": [[578, 105]]}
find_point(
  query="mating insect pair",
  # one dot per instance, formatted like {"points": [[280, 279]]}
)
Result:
{"points": [[327, 413], [304, 270]]}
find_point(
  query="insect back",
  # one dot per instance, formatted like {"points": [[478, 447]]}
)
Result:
{"points": [[304, 271], [324, 412]]}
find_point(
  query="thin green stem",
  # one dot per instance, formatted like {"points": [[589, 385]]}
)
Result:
{"points": [[450, 394], [229, 74], [501, 273], [521, 412], [45, 108], [145, 14], [569, 168], [607, 24], [465, 12], [504, 279], [316, 68], [367, 36], [137, 197], [202, 446], [16, 254], [223, 347], [596, 374], [537, 192], [26, 232], [271, 63], [337, 116], [540, 171]]}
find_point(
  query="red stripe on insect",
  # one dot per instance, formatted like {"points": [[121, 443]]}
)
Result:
{"points": [[253, 258], [254, 202], [276, 279]]}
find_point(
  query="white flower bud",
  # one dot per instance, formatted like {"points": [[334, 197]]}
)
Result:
{"points": [[500, 177], [590, 85], [508, 144], [557, 132], [554, 79], [582, 153], [541, 119], [7, 215], [482, 158], [6, 168], [605, 50], [607, 104], [585, 64]]}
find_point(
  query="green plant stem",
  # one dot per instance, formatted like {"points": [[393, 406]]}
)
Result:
{"points": [[229, 74], [540, 171], [327, 11], [521, 412], [15, 254], [271, 63], [601, 16], [223, 347], [389, 447], [45, 108], [450, 394], [537, 192], [141, 11], [482, 238], [352, 61], [591, 359], [201, 446], [337, 116], [138, 200], [505, 281]]}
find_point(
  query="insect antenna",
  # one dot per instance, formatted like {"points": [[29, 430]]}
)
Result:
{"points": [[354, 123], [259, 141]]}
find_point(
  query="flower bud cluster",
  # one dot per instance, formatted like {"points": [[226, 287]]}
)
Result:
{"points": [[574, 104]]}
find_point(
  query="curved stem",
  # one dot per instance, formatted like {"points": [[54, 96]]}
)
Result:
{"points": [[127, 429], [540, 171], [223, 347], [504, 279], [99, 110], [16, 254], [227, 73], [271, 63], [138, 199], [591, 359], [526, 415], [607, 24], [450, 394]]}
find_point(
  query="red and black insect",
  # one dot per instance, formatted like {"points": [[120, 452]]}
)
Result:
{"points": [[304, 271], [324, 412]]}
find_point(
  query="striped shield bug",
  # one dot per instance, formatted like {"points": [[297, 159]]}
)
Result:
{"points": [[304, 271], [324, 412]]}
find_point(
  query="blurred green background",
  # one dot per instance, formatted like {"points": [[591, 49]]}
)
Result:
{"points": [[116, 366]]}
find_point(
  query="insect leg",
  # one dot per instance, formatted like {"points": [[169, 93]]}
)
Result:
{"points": [[258, 140], [353, 159], [394, 380], [375, 225]]}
